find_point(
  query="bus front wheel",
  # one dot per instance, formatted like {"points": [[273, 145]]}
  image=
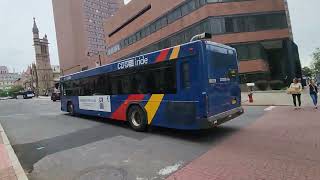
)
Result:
{"points": [[71, 109], [137, 118]]}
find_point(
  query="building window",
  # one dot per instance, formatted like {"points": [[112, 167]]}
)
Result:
{"points": [[250, 51], [174, 15], [213, 25]]}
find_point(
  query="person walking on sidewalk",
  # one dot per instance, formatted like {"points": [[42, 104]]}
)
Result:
{"points": [[296, 89], [314, 93]]}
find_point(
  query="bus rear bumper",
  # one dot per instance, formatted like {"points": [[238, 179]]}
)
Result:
{"points": [[221, 118]]}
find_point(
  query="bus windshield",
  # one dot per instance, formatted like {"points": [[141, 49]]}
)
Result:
{"points": [[220, 61]]}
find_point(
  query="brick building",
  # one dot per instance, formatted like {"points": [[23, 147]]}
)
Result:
{"points": [[80, 32], [260, 30]]}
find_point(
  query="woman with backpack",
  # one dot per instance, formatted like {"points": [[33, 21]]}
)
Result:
{"points": [[314, 93]]}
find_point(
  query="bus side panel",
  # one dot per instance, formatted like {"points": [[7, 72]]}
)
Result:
{"points": [[183, 110], [119, 105]]}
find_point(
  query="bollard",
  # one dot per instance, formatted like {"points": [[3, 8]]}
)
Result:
{"points": [[250, 95], [250, 88]]}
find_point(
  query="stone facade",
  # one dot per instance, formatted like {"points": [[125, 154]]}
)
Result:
{"points": [[7, 79], [44, 73]]}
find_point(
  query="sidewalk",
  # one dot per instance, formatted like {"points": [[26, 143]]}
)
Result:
{"points": [[275, 98], [10, 168], [282, 145]]}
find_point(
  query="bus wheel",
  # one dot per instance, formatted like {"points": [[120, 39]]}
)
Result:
{"points": [[137, 118], [71, 109]]}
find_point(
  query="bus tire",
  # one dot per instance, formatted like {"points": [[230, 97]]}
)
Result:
{"points": [[137, 118], [71, 109]]}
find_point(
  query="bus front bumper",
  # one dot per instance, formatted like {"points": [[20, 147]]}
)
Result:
{"points": [[221, 118]]}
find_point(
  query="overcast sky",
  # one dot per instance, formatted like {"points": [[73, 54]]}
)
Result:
{"points": [[16, 50]]}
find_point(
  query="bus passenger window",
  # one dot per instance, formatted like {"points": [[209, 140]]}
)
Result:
{"points": [[185, 75]]}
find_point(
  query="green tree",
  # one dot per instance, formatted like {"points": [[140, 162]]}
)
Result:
{"points": [[3, 93], [306, 71], [316, 61], [14, 89]]}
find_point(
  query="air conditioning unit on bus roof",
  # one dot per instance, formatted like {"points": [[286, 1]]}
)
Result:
{"points": [[201, 36]]}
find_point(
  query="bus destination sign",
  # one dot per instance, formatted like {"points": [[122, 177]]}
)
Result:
{"points": [[137, 61]]}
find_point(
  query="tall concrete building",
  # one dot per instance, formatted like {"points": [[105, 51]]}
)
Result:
{"points": [[260, 30], [44, 75], [80, 32]]}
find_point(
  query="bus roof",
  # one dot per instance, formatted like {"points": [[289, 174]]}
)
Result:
{"points": [[70, 76]]}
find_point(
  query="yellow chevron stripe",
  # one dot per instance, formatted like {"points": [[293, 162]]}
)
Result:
{"points": [[175, 53], [155, 100], [153, 105]]}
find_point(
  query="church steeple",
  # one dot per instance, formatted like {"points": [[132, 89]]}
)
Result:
{"points": [[35, 29]]}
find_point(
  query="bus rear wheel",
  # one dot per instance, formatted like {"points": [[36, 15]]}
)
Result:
{"points": [[137, 118], [71, 109]]}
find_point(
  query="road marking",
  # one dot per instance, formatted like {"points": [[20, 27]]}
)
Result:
{"points": [[141, 178], [170, 169], [40, 148], [41, 114], [269, 108], [12, 115]]}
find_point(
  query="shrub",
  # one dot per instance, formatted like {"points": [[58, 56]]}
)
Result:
{"points": [[276, 84], [262, 85]]}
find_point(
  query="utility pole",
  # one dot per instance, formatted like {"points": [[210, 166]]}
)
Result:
{"points": [[31, 81], [37, 81]]}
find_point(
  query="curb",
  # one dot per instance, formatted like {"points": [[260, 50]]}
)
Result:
{"points": [[266, 105], [18, 170]]}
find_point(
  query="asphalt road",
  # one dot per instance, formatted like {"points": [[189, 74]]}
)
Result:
{"points": [[53, 145]]}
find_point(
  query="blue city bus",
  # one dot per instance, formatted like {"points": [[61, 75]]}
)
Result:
{"points": [[191, 86]]}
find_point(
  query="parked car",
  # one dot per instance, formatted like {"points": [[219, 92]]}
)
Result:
{"points": [[25, 94]]}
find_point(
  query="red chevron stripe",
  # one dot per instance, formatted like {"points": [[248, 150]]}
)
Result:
{"points": [[163, 55], [120, 113]]}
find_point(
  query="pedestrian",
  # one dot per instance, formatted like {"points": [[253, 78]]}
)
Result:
{"points": [[314, 93], [295, 90]]}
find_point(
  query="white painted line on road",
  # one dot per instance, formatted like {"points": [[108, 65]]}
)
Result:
{"points": [[40, 148], [41, 114], [12, 115], [269, 108], [170, 169], [18, 170]]}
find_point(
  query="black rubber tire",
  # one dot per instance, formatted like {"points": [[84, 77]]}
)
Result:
{"points": [[71, 109], [137, 118]]}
